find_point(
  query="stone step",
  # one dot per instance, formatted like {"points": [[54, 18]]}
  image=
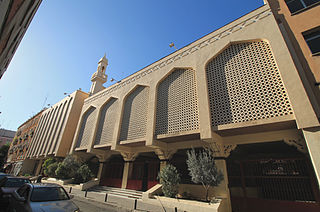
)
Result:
{"points": [[114, 188], [118, 191], [124, 193], [109, 189]]}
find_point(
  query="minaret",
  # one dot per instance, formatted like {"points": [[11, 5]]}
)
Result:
{"points": [[99, 77]]}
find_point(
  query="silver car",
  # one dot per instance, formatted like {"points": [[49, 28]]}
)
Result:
{"points": [[41, 197]]}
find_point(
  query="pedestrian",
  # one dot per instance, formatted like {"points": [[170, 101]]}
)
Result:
{"points": [[39, 178]]}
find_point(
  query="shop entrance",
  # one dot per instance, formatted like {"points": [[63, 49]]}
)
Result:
{"points": [[271, 177]]}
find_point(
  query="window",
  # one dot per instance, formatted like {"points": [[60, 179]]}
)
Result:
{"points": [[297, 5], [15, 182], [45, 194], [312, 38]]}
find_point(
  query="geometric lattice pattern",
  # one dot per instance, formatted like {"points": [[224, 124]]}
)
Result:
{"points": [[107, 123], [244, 84], [177, 103], [134, 119], [87, 127]]}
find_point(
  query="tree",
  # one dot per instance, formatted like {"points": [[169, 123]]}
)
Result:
{"points": [[170, 179], [68, 167], [71, 164], [51, 169], [62, 172], [202, 169], [83, 174], [3, 154]]}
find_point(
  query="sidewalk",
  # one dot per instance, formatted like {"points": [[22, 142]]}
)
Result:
{"points": [[125, 200], [100, 197], [128, 204], [140, 205], [89, 205]]}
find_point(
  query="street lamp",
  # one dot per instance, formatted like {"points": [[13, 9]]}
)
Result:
{"points": [[172, 45]]}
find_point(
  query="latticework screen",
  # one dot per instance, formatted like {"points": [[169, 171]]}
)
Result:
{"points": [[87, 127], [134, 119], [107, 123], [244, 84], [177, 103]]}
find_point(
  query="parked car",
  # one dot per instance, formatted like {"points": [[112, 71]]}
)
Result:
{"points": [[8, 184], [42, 197], [2, 175]]}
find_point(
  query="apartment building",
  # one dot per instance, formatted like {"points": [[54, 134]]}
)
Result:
{"points": [[19, 146]]}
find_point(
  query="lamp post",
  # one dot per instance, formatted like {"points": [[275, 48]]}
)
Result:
{"points": [[172, 45]]}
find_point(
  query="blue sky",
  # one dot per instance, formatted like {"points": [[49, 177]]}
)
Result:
{"points": [[66, 39]]}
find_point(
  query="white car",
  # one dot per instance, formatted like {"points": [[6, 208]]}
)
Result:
{"points": [[41, 197]]}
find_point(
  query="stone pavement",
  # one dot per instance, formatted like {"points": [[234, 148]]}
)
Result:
{"points": [[122, 203], [89, 205]]}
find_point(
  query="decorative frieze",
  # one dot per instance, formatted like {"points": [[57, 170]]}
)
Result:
{"points": [[129, 156], [299, 143], [222, 150], [165, 154], [180, 54]]}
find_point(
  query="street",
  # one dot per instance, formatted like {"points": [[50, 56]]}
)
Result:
{"points": [[87, 205]]}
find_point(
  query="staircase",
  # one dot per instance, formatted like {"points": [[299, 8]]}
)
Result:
{"points": [[117, 192]]}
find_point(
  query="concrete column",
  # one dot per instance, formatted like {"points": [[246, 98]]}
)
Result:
{"points": [[222, 191], [39, 167], [312, 137], [127, 169], [164, 156], [163, 163], [100, 171]]}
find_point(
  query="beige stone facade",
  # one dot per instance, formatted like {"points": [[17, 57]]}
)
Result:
{"points": [[57, 124], [236, 90], [242, 91]]}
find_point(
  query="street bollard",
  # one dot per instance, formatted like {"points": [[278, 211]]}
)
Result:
{"points": [[70, 189], [106, 197], [85, 194], [175, 209], [135, 204]]}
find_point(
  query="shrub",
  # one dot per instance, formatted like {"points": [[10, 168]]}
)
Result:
{"points": [[83, 174], [72, 165], [3, 154], [62, 172], [67, 168], [51, 169], [202, 168], [170, 179], [46, 164]]}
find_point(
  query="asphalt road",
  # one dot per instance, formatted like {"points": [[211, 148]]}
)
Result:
{"points": [[87, 205]]}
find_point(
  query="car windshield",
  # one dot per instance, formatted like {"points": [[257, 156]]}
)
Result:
{"points": [[3, 175], [44, 194], [15, 182]]}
